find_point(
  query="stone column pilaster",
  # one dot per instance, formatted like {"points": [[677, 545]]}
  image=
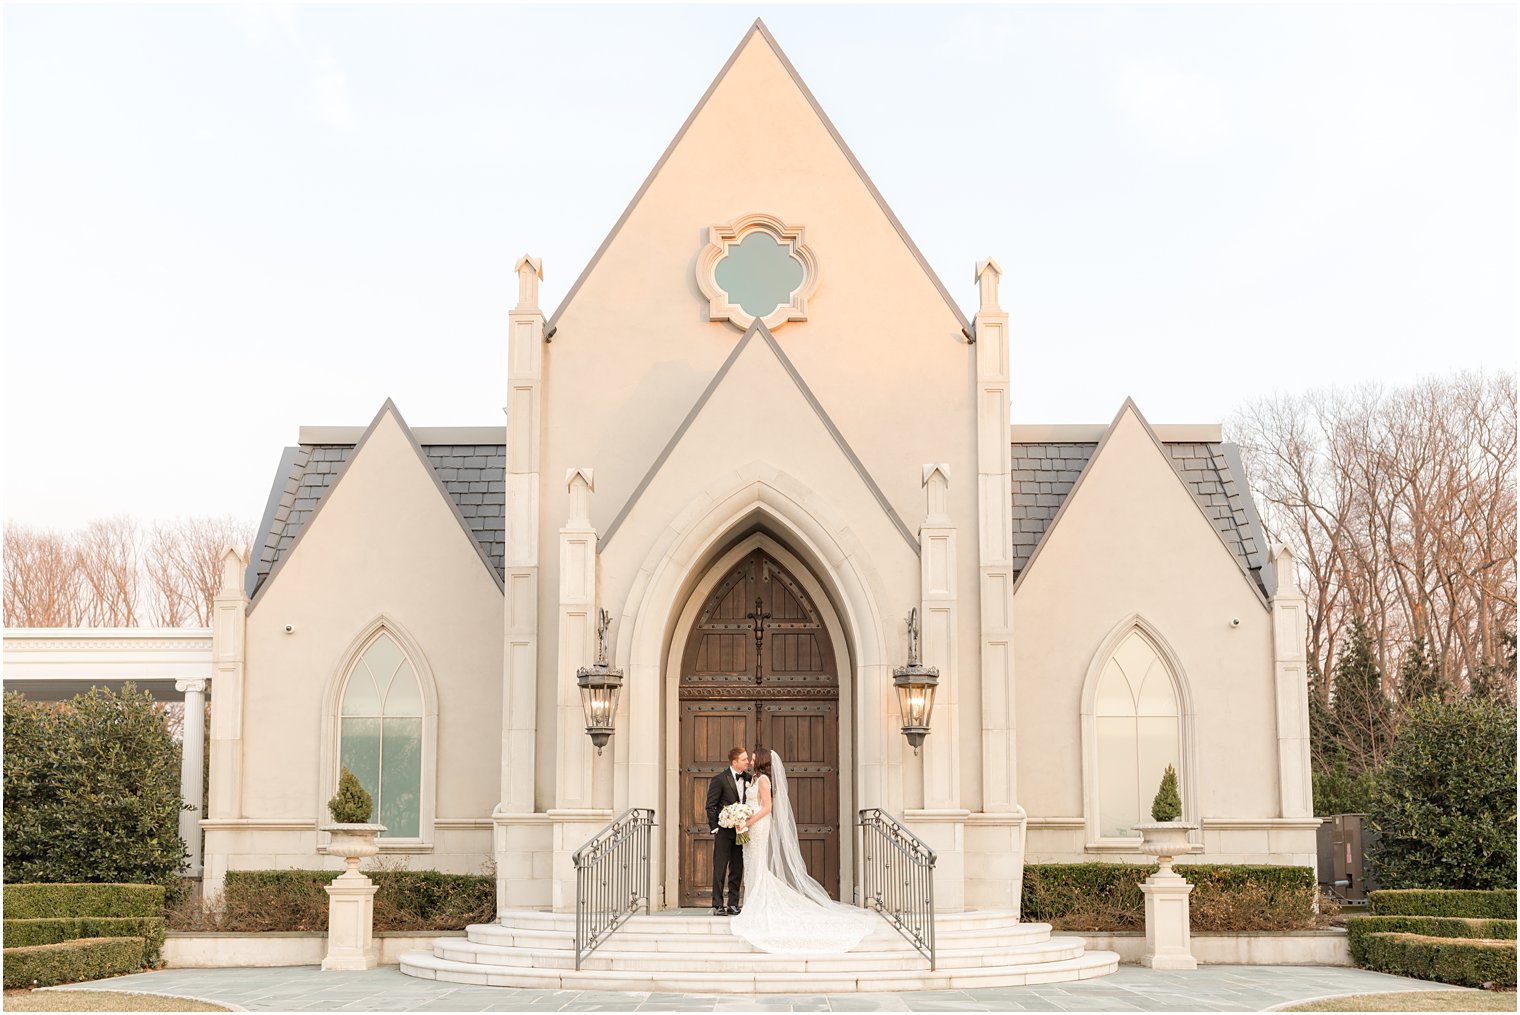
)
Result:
{"points": [[521, 845], [192, 770], [1291, 675], [229, 639]]}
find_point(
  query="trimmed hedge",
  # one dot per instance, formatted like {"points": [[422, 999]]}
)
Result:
{"points": [[1496, 904], [36, 902], [293, 900], [1359, 928], [1226, 897], [1463, 962], [72, 961], [25, 933]]}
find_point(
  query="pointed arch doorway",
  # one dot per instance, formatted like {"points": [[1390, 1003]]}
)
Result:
{"points": [[760, 667]]}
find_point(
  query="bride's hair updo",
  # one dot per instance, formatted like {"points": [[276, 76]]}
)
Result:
{"points": [[762, 761]]}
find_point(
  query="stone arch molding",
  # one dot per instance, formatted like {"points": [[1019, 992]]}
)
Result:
{"points": [[722, 236], [809, 527], [331, 732], [1187, 776]]}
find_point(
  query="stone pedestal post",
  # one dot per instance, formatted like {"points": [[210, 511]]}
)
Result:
{"points": [[1168, 941], [351, 940], [192, 770]]}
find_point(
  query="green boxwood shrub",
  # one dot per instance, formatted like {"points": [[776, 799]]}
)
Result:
{"points": [[37, 902], [1226, 897], [1443, 803], [293, 900], [1358, 928], [1494, 904], [72, 961], [91, 791], [23, 933], [1465, 963]]}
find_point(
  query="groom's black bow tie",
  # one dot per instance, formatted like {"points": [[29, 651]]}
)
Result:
{"points": [[745, 776]]}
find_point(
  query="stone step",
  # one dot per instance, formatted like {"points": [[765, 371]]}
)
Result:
{"points": [[703, 922], [767, 981], [759, 963], [884, 939]]}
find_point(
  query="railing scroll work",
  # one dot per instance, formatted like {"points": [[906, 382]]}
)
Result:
{"points": [[611, 879], [898, 878]]}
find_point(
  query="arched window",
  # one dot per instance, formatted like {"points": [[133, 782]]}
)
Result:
{"points": [[1137, 730], [381, 733]]}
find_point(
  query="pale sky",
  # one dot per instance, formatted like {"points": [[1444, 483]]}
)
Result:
{"points": [[220, 224]]}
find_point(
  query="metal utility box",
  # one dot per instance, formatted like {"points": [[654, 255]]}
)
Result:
{"points": [[1343, 840]]}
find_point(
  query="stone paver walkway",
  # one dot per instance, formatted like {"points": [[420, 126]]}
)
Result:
{"points": [[1132, 988]]}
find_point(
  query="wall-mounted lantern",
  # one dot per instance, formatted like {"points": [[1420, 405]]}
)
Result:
{"points": [[600, 684], [916, 684]]}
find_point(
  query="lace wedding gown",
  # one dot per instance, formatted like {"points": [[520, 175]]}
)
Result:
{"points": [[785, 911]]}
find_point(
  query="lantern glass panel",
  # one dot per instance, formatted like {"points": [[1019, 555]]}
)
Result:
{"points": [[915, 702]]}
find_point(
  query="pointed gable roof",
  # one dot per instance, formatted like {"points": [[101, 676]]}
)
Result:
{"points": [[309, 474], [1210, 472], [758, 29], [758, 331]]}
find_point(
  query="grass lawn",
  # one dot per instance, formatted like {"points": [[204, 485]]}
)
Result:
{"points": [[99, 1000], [1417, 1000]]}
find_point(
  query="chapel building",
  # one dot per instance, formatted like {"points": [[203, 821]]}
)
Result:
{"points": [[760, 434]]}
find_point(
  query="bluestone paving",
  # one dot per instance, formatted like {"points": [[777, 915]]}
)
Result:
{"points": [[1132, 988]]}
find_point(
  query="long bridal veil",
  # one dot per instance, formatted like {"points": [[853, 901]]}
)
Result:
{"points": [[785, 853]]}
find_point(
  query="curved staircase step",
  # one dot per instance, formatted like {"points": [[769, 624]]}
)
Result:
{"points": [[702, 922], [766, 981], [884, 939], [697, 960]]}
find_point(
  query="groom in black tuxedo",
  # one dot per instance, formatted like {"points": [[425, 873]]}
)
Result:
{"points": [[730, 786]]}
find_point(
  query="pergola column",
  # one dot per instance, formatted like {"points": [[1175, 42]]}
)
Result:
{"points": [[192, 770]]}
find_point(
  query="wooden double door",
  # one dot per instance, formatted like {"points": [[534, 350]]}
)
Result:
{"points": [[758, 671]]}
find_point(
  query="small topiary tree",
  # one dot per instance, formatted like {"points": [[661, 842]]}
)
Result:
{"points": [[351, 805], [1168, 803], [1444, 802]]}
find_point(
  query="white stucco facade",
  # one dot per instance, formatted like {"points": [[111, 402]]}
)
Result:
{"points": [[858, 436]]}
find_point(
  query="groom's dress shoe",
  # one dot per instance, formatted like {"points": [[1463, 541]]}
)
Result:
{"points": [[733, 910], [721, 911]]}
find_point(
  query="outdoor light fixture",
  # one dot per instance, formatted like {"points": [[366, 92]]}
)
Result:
{"points": [[600, 684], [915, 685]]}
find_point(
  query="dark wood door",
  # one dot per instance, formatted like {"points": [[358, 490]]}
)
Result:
{"points": [[758, 670]]}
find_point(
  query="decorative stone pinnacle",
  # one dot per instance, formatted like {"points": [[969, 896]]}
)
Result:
{"points": [[530, 272], [988, 274]]}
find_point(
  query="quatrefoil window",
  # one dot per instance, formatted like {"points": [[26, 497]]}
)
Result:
{"points": [[757, 268]]}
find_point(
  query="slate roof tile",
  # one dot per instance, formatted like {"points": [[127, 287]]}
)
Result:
{"points": [[311, 469], [1045, 472]]}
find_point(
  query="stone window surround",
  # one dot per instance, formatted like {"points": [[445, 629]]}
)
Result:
{"points": [[1187, 762], [722, 236], [332, 731]]}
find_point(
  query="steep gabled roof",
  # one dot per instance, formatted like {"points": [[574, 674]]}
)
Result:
{"points": [[472, 478], [759, 332], [758, 28], [1045, 472]]}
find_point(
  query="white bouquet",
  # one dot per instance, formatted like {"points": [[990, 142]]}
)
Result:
{"points": [[735, 815]]}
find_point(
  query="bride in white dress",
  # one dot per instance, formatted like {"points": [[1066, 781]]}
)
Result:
{"points": [[785, 911]]}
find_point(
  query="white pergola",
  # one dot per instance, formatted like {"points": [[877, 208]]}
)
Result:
{"points": [[175, 664]]}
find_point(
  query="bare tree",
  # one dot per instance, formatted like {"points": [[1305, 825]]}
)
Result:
{"points": [[185, 565], [43, 583], [1401, 508], [117, 573]]}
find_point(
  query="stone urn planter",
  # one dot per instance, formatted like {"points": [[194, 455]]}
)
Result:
{"points": [[353, 843], [351, 940], [1165, 840]]}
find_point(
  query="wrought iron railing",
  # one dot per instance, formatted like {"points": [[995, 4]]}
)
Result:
{"points": [[898, 878], [611, 879]]}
